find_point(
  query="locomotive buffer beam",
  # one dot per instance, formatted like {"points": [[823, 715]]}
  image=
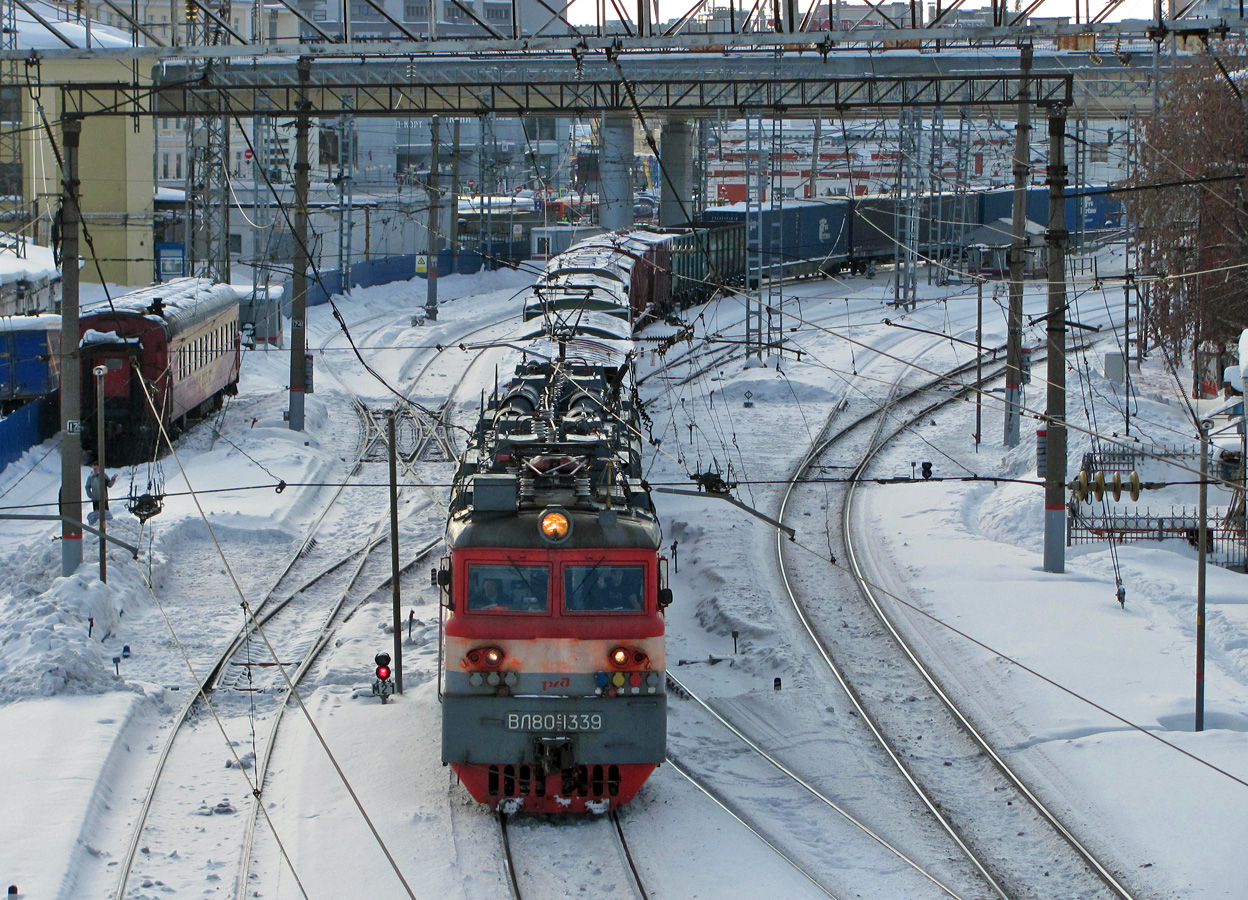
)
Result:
{"points": [[792, 533], [553, 754]]}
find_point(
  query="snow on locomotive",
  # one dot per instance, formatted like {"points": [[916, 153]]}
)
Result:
{"points": [[554, 693], [178, 342]]}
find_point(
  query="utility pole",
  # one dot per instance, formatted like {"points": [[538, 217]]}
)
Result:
{"points": [[299, 305], [431, 279], [1126, 353], [979, 364], [346, 192], [71, 365], [1055, 415], [453, 226], [102, 477], [1202, 540], [1018, 256], [396, 601]]}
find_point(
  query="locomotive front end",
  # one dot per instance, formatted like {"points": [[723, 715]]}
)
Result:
{"points": [[554, 694]]}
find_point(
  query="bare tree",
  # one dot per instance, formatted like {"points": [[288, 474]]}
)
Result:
{"points": [[1196, 234]]}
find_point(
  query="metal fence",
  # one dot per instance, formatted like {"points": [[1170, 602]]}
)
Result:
{"points": [[1128, 459], [1117, 460], [1225, 533]]}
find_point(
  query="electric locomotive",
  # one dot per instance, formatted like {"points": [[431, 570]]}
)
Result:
{"points": [[554, 590]]}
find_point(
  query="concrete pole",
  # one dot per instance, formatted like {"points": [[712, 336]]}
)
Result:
{"points": [[71, 363], [453, 226], [435, 203], [1018, 257], [676, 183], [396, 599], [1055, 417], [615, 201], [979, 362], [814, 158], [299, 304], [1202, 540], [102, 485], [1126, 354]]}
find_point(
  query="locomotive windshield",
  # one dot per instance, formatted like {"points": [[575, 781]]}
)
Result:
{"points": [[604, 588], [511, 588]]}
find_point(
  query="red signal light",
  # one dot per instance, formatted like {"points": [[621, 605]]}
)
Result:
{"points": [[383, 672]]}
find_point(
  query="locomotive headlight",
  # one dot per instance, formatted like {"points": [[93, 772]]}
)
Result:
{"points": [[492, 656], [619, 657], [555, 525]]}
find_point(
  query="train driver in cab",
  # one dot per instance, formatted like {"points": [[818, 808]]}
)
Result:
{"points": [[492, 598]]}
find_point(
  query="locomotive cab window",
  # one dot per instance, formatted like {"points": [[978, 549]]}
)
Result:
{"points": [[603, 588], [509, 589]]}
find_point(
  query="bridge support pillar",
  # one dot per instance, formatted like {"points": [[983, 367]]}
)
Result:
{"points": [[615, 200], [676, 180]]}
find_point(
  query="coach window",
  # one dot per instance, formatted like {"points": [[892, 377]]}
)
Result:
{"points": [[604, 588], [510, 588]]}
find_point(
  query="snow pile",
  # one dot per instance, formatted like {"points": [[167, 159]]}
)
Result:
{"points": [[50, 646]]}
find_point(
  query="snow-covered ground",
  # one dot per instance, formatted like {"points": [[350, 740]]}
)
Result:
{"points": [[79, 741]]}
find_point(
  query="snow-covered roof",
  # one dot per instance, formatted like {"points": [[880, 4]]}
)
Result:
{"points": [[183, 302], [37, 265], [1000, 233], [40, 322], [244, 292], [33, 35], [784, 203]]}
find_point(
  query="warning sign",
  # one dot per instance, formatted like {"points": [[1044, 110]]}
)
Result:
{"points": [[422, 265]]}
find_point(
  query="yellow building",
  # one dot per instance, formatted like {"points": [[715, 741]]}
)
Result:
{"points": [[115, 170]]}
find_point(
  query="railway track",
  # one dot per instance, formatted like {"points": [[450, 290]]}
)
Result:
{"points": [[985, 883], [869, 664], [942, 879], [582, 842], [250, 681]]}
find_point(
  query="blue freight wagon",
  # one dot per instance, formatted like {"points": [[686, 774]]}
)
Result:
{"points": [[796, 237], [1101, 212], [30, 357]]}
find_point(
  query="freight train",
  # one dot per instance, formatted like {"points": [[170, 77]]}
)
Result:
{"points": [[553, 590], [808, 237], [169, 352]]}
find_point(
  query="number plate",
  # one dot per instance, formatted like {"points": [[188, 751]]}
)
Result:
{"points": [[527, 721]]}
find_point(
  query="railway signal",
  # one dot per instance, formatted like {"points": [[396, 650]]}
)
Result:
{"points": [[383, 686]]}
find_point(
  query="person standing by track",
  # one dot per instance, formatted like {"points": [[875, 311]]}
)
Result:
{"points": [[97, 489]]}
